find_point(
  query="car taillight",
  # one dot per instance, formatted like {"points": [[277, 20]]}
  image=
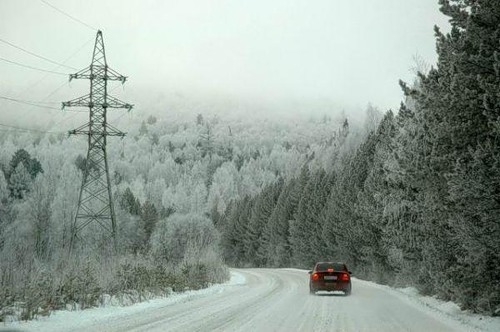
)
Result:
{"points": [[315, 277], [344, 277]]}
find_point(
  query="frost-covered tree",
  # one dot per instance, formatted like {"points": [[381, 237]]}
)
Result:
{"points": [[233, 229], [260, 214], [276, 235], [206, 142], [4, 192], [4, 208], [306, 228], [149, 218], [144, 129], [457, 105], [224, 187], [32, 165], [20, 182], [373, 116], [130, 203], [374, 237], [39, 202], [63, 206], [81, 162], [474, 190]]}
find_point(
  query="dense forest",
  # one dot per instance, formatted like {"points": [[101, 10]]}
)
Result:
{"points": [[410, 197], [418, 202], [170, 176]]}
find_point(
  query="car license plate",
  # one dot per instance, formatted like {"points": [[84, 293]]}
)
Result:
{"points": [[330, 278]]}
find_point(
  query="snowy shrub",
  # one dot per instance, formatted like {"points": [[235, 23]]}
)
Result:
{"points": [[180, 234], [80, 287], [39, 297], [203, 268], [190, 242]]}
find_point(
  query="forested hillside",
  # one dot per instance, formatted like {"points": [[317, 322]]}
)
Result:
{"points": [[172, 175], [418, 202]]}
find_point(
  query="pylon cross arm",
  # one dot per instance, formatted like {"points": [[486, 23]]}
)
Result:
{"points": [[83, 101], [106, 74], [112, 102], [82, 130], [113, 75], [112, 131]]}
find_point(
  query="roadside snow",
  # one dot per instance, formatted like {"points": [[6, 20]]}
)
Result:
{"points": [[112, 314], [67, 320], [446, 310]]}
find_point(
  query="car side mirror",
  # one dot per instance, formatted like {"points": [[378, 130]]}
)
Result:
{"points": [[349, 272], [310, 272]]}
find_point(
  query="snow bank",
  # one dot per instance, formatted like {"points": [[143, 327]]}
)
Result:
{"points": [[64, 320], [446, 310]]}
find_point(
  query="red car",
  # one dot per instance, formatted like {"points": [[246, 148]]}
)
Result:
{"points": [[329, 276]]}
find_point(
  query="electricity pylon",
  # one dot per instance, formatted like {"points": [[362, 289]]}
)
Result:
{"points": [[95, 203]]}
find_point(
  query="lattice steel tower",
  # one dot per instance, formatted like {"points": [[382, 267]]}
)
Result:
{"points": [[95, 203]]}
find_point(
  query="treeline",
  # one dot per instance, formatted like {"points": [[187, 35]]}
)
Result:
{"points": [[418, 202]]}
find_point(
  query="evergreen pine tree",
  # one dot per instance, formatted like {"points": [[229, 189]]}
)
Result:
{"points": [[276, 231], [129, 203], [261, 211], [451, 134], [149, 218], [32, 165], [19, 182], [306, 230], [371, 204]]}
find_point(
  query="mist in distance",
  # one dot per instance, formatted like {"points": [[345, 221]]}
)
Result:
{"points": [[238, 56]]}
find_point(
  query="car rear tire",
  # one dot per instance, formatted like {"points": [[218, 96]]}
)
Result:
{"points": [[348, 292]]}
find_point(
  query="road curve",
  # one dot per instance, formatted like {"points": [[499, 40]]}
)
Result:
{"points": [[279, 300]]}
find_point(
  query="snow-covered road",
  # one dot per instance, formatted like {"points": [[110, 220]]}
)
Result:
{"points": [[263, 300]]}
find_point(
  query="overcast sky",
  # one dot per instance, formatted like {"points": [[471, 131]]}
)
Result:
{"points": [[349, 52]]}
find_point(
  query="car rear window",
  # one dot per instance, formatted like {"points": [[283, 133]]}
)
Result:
{"points": [[326, 266]]}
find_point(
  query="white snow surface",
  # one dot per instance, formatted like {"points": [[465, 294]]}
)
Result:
{"points": [[272, 300]]}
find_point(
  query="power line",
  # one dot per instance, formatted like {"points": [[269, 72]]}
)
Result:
{"points": [[30, 130], [39, 104], [30, 87], [26, 102], [55, 90], [36, 55], [117, 120], [68, 15], [35, 68]]}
